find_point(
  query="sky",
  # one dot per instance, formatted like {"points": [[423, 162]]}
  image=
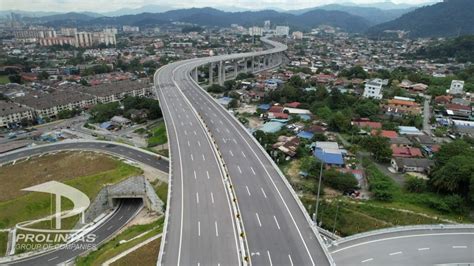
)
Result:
{"points": [[112, 5]]}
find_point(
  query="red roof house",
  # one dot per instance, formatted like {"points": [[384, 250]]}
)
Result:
{"points": [[384, 133]]}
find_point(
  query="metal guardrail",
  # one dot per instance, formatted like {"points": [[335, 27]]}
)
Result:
{"points": [[283, 178], [403, 229]]}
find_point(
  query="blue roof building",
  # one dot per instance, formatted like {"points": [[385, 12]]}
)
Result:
{"points": [[409, 130], [272, 127], [224, 101], [305, 135], [329, 158], [264, 107]]}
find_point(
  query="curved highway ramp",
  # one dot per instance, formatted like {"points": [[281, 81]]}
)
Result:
{"points": [[215, 162]]}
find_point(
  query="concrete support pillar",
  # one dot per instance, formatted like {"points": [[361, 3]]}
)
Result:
{"points": [[221, 73], [211, 73], [253, 64], [236, 67], [245, 65], [196, 76]]}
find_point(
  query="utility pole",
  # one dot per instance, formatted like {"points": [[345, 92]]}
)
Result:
{"points": [[319, 191], [335, 218]]}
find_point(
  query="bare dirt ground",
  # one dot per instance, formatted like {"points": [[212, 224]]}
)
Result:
{"points": [[61, 166]]}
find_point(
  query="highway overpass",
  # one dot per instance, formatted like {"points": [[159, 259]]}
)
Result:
{"points": [[215, 160]]}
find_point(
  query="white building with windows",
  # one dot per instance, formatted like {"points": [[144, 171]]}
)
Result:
{"points": [[457, 87], [373, 89], [11, 113], [255, 31], [282, 31]]}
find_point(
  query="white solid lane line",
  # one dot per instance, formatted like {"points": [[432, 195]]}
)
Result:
{"points": [[395, 253], [276, 221], [265, 195], [291, 261], [258, 219], [248, 191], [367, 260], [217, 230], [269, 258], [53, 258]]}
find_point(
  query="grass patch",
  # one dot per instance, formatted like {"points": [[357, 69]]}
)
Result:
{"points": [[4, 79], [161, 189], [113, 247], [61, 167], [157, 135], [3, 243], [146, 255]]}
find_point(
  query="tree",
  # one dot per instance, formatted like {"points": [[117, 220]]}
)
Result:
{"points": [[454, 169], [15, 78], [234, 103], [341, 181], [379, 147], [43, 75], [229, 84], [214, 88], [415, 185], [103, 112], [340, 122], [310, 165]]}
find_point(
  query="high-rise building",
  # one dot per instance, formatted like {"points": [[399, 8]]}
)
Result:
{"points": [[255, 31], [282, 30], [87, 39], [297, 35], [68, 31], [126, 28], [266, 25]]}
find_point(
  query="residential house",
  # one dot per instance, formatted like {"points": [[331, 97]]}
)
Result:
{"points": [[116, 91], [384, 133], [329, 153], [399, 107], [48, 105], [287, 145], [418, 165], [373, 89], [457, 87], [12, 114], [406, 152]]}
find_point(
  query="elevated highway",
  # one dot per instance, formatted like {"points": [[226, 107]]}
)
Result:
{"points": [[272, 225]]}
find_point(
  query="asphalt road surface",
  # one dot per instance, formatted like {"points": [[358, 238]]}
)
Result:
{"points": [[126, 210], [417, 247], [119, 150], [277, 230], [200, 229]]}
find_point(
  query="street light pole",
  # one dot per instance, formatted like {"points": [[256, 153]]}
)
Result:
{"points": [[319, 190]]}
